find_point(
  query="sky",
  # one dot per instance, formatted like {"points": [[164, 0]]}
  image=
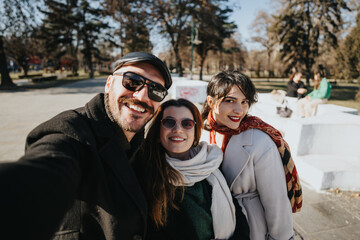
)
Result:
{"points": [[244, 13]]}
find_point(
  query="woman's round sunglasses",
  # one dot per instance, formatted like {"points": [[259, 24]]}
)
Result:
{"points": [[135, 82], [185, 123]]}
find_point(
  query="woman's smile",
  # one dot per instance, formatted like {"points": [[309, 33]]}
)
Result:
{"points": [[235, 119]]}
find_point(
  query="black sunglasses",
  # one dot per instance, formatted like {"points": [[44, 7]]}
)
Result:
{"points": [[185, 123], [135, 82]]}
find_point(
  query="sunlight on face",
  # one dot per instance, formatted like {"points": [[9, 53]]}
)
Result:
{"points": [[232, 108], [177, 141], [132, 110]]}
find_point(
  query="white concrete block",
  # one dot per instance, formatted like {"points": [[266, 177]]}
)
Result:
{"points": [[308, 173], [192, 90], [325, 148], [329, 171], [323, 109], [328, 134], [268, 105]]}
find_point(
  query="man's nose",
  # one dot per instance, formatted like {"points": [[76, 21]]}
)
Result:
{"points": [[142, 94]]}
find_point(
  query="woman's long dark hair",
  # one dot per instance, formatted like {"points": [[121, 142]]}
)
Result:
{"points": [[158, 174], [221, 84]]}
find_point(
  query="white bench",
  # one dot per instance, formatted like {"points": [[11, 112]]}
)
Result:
{"points": [[327, 108], [329, 172], [325, 148], [268, 106]]}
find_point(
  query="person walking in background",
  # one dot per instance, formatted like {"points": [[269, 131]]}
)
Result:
{"points": [[77, 178], [296, 87], [257, 163], [187, 194], [307, 107]]}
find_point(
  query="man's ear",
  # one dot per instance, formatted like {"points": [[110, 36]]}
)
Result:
{"points": [[108, 84]]}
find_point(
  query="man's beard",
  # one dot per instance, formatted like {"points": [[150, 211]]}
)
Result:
{"points": [[115, 113]]}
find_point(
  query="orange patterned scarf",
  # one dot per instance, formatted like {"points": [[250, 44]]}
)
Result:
{"points": [[249, 122]]}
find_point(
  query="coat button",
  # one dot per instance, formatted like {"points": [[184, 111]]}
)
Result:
{"points": [[137, 237]]}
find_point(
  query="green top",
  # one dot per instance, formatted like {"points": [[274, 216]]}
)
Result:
{"points": [[193, 219], [197, 204], [323, 91]]}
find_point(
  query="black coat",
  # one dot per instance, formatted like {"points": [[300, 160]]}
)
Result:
{"points": [[292, 88], [75, 181]]}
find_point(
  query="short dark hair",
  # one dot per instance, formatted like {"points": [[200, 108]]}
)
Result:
{"points": [[221, 84]]}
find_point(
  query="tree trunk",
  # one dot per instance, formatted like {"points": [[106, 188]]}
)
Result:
{"points": [[91, 74], [88, 58], [25, 68], [25, 71], [74, 67], [308, 72], [268, 66], [6, 81], [178, 62], [307, 50], [202, 61]]}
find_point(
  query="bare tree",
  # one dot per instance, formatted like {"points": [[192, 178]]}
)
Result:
{"points": [[262, 34], [174, 21], [213, 27], [21, 48], [233, 53], [15, 16], [134, 24]]}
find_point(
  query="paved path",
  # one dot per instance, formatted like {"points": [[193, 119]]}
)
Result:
{"points": [[325, 215], [22, 111]]}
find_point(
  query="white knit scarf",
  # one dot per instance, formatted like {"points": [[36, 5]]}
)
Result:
{"points": [[203, 164]]}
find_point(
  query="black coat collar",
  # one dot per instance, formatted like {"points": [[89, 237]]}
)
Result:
{"points": [[114, 149]]}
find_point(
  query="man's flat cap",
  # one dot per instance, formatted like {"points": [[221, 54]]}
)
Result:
{"points": [[135, 57]]}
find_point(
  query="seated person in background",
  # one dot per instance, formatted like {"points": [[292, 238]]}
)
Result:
{"points": [[296, 87], [307, 106]]}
